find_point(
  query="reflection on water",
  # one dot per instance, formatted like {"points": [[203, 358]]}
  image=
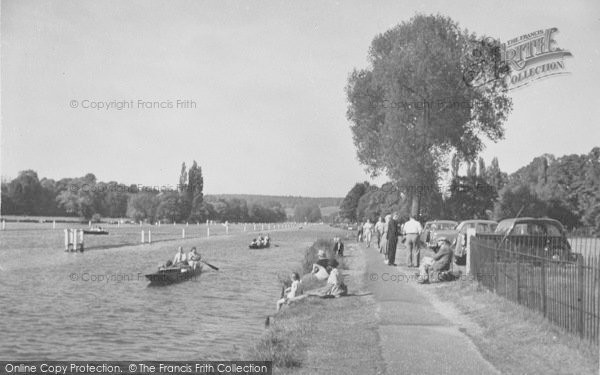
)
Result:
{"points": [[96, 305]]}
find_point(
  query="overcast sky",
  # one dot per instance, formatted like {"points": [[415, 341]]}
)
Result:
{"points": [[267, 78]]}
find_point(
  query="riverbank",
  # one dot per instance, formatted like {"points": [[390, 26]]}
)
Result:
{"points": [[394, 325], [327, 336]]}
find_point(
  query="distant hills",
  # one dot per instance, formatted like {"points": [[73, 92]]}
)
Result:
{"points": [[288, 202]]}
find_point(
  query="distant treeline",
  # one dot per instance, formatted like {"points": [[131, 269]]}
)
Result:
{"points": [[566, 188], [288, 201], [89, 199]]}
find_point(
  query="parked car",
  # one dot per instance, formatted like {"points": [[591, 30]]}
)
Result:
{"points": [[436, 229], [480, 226], [537, 236]]}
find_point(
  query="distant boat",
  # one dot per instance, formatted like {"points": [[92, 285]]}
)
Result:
{"points": [[254, 246], [173, 275], [95, 231]]}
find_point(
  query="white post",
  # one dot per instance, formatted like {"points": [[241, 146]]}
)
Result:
{"points": [[183, 233], [149, 237], [90, 223], [53, 224], [142, 236], [207, 222], [159, 223], [119, 224], [470, 233], [187, 224], [173, 222], [254, 227], [74, 240], [3, 224], [207, 231], [66, 240], [80, 233]]}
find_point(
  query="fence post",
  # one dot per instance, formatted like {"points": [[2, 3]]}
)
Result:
{"points": [[544, 292], [142, 236], [580, 297], [496, 267], [149, 236], [183, 233], [470, 233], [518, 278]]}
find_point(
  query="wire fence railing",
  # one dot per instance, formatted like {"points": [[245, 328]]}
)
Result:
{"points": [[543, 275]]}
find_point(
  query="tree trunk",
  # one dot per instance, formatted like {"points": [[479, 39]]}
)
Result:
{"points": [[414, 210]]}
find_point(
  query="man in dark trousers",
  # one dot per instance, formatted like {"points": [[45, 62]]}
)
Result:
{"points": [[338, 246], [392, 238]]}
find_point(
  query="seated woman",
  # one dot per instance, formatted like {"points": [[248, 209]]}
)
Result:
{"points": [[193, 258], [321, 268], [293, 293], [335, 286]]}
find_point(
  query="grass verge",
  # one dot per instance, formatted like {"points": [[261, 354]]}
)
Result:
{"points": [[513, 338], [313, 336]]}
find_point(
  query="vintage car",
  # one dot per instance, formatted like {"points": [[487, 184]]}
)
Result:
{"points": [[480, 226], [536, 236], [436, 229]]}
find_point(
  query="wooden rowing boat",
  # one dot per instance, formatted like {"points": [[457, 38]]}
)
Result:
{"points": [[173, 275]]}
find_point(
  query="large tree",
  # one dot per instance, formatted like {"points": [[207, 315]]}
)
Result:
{"points": [[414, 105]]}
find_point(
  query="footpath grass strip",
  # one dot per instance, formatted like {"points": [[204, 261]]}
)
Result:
{"points": [[511, 337]]}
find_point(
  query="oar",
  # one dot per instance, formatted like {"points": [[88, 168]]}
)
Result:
{"points": [[210, 265]]}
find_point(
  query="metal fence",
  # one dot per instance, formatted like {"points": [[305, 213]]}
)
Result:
{"points": [[564, 288]]}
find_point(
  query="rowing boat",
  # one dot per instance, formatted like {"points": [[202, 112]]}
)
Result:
{"points": [[95, 231], [253, 246], [173, 275]]}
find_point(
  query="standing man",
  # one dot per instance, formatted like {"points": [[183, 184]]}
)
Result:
{"points": [[392, 239], [338, 246], [412, 229], [368, 232], [379, 230]]}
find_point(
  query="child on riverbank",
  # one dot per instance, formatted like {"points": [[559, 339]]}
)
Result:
{"points": [[294, 292]]}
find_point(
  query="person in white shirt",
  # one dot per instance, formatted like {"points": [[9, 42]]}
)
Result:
{"points": [[412, 229], [293, 293], [368, 232], [379, 230], [180, 257], [193, 258]]}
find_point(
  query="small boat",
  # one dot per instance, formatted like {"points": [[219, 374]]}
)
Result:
{"points": [[173, 275], [95, 231], [254, 246]]}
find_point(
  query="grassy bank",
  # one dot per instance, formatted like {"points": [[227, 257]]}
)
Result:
{"points": [[313, 336], [513, 338]]}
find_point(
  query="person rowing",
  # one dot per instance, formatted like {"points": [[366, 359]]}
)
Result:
{"points": [[193, 258]]}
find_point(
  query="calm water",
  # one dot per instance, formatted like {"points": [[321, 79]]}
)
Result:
{"points": [[49, 311]]}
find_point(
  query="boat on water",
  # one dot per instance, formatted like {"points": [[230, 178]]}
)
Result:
{"points": [[173, 275], [95, 231], [262, 246]]}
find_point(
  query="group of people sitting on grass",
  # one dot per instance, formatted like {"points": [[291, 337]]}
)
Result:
{"points": [[323, 269], [190, 260]]}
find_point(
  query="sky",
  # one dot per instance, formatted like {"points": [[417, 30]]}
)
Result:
{"points": [[251, 90]]}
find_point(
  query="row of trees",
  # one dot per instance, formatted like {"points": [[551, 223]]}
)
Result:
{"points": [[87, 198], [565, 188]]}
